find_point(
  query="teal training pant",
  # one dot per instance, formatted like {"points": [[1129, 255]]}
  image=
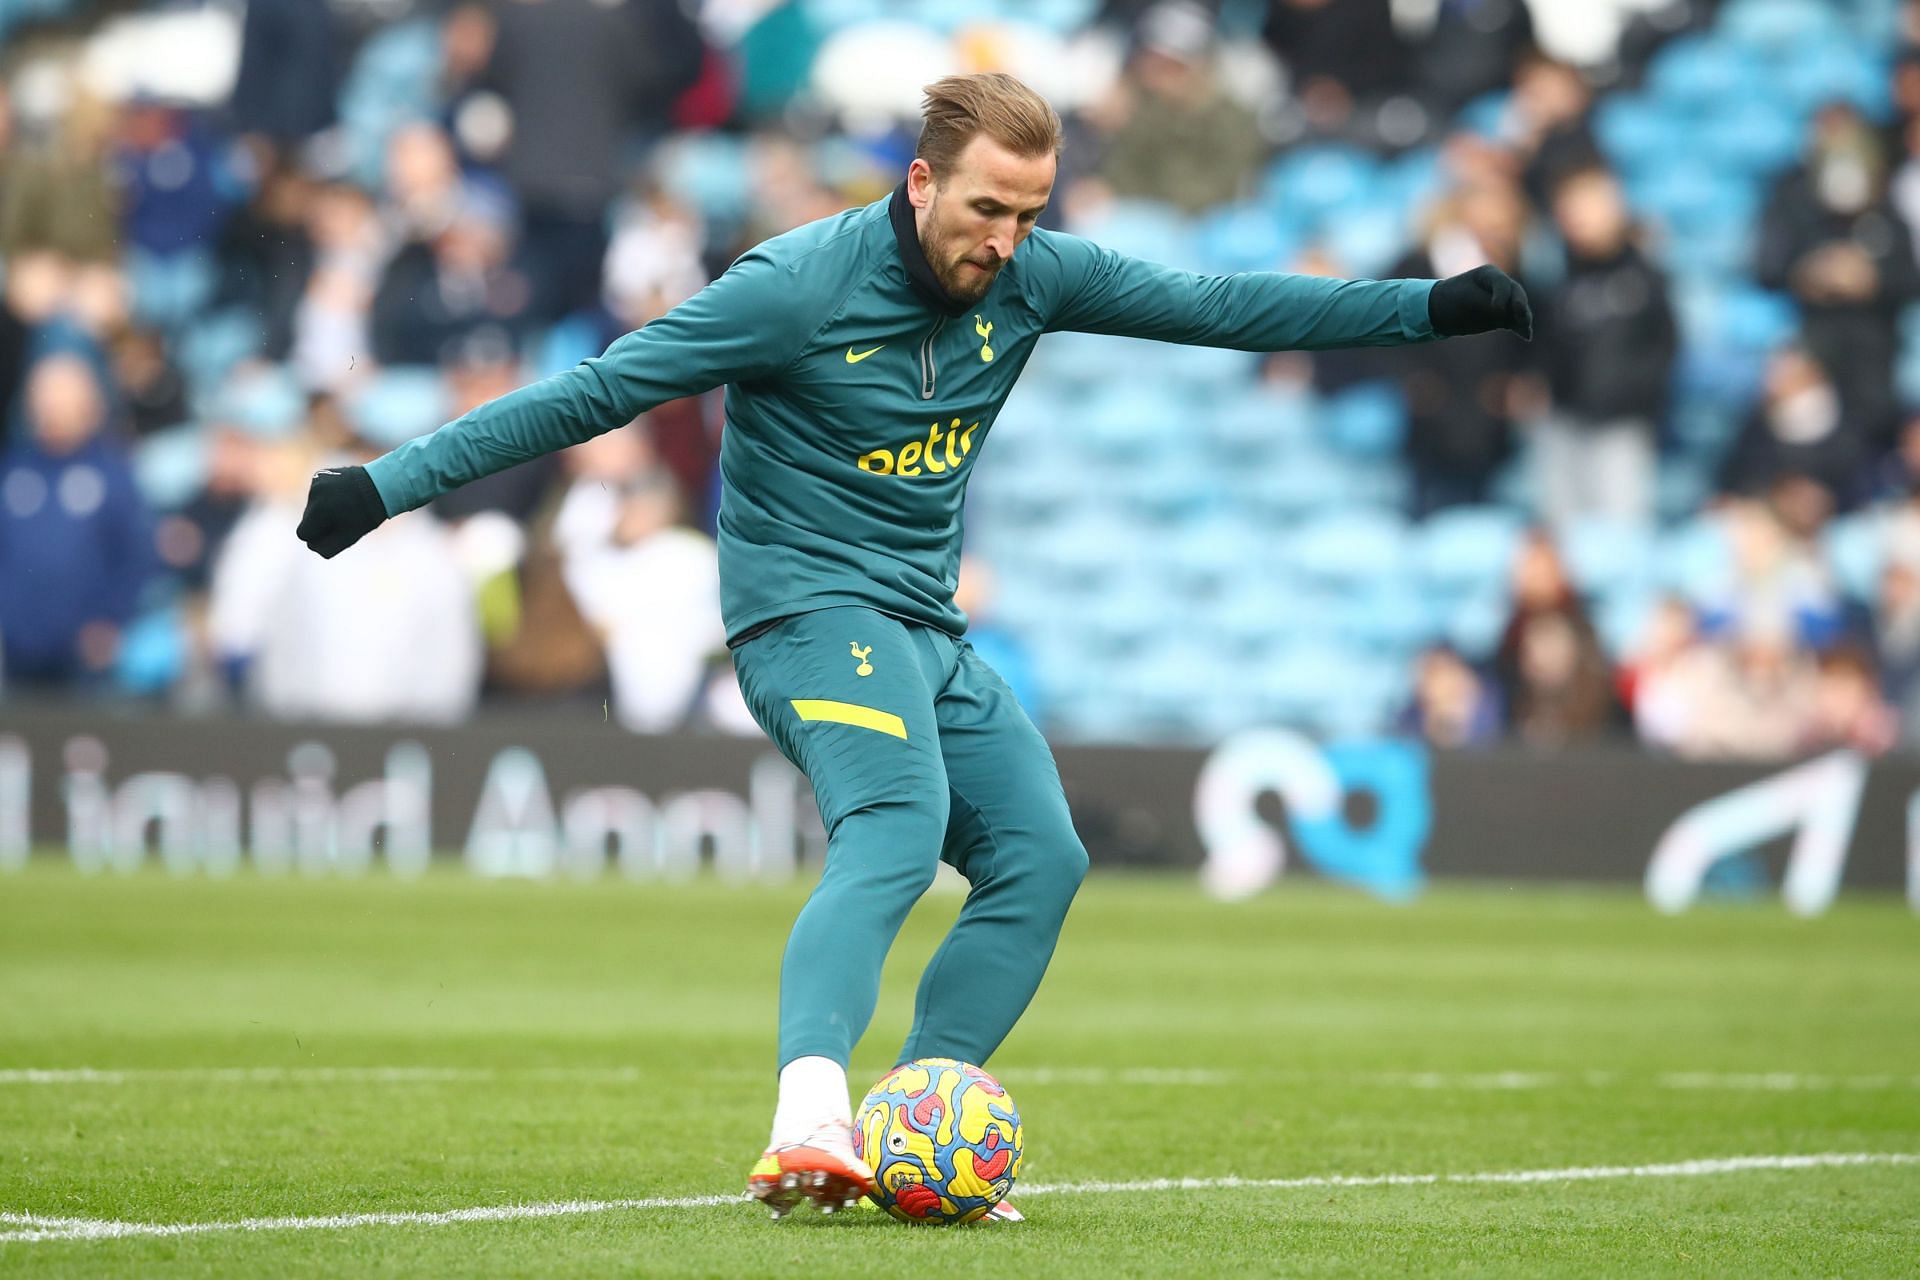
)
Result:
{"points": [[918, 753]]}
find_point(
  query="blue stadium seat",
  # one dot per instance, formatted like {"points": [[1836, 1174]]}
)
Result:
{"points": [[1369, 419], [263, 400], [397, 404], [1352, 546], [171, 466], [1855, 546], [210, 347], [1633, 130], [169, 289], [1468, 550], [1145, 229], [1474, 623], [1607, 556], [1704, 73], [1258, 421], [1311, 182], [1245, 237], [1779, 28], [1621, 619], [1695, 560], [1836, 69], [710, 172]]}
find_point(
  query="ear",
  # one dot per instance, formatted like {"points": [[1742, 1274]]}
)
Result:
{"points": [[921, 184]]}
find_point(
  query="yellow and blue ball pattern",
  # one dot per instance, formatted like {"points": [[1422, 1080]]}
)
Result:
{"points": [[943, 1140]]}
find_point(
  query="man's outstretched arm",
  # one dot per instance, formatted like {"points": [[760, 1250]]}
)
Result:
{"points": [[740, 327], [1094, 290]]}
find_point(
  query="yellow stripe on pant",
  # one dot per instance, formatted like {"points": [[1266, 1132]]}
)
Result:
{"points": [[850, 713]]}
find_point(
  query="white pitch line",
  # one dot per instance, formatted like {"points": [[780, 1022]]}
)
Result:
{"points": [[311, 1075], [33, 1227], [1039, 1076]]}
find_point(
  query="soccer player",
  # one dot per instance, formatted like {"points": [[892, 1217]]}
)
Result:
{"points": [[866, 356]]}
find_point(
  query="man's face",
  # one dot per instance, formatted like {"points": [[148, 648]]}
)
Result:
{"points": [[973, 218]]}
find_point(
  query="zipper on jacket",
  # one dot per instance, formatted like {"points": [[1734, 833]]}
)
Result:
{"points": [[928, 369]]}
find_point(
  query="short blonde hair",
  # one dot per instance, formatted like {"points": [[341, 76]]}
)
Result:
{"points": [[958, 108]]}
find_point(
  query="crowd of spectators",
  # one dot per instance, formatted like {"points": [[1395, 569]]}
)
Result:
{"points": [[391, 212]]}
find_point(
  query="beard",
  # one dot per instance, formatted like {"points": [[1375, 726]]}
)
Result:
{"points": [[964, 282]]}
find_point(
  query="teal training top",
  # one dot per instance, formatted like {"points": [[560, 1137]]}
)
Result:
{"points": [[860, 393]]}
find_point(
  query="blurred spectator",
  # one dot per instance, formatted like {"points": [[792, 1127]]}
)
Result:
{"points": [[1452, 706], [1848, 708], [289, 76], [1463, 398], [332, 336], [173, 175], [1001, 649], [1178, 137], [76, 546], [150, 385], [1342, 56], [1609, 348], [266, 253], [389, 635], [1469, 49], [1646, 679], [424, 187], [436, 293], [1750, 696], [1551, 126], [1832, 238], [1553, 675], [625, 63], [1897, 627], [650, 587], [1798, 428], [1779, 569], [55, 191]]}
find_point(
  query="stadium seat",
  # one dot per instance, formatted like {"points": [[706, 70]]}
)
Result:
{"points": [[1245, 237], [1145, 229], [1621, 620], [1778, 28], [1467, 550], [1257, 421], [710, 171], [1352, 546], [171, 466], [1607, 556], [1473, 624], [1633, 130], [1369, 419], [1855, 547], [169, 289], [1704, 73], [397, 404], [1311, 182], [266, 401], [1695, 560]]}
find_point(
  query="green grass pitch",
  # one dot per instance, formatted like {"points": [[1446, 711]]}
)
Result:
{"points": [[299, 1049]]}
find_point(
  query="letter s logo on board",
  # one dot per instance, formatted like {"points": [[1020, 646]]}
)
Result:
{"points": [[1245, 853]]}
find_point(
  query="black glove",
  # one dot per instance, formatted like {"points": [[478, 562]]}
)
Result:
{"points": [[342, 508], [1478, 300]]}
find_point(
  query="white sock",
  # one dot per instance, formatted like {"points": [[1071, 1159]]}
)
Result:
{"points": [[813, 1092]]}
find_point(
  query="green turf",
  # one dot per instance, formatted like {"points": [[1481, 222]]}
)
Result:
{"points": [[1315, 1010]]}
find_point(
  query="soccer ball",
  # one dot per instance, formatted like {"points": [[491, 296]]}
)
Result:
{"points": [[943, 1140]]}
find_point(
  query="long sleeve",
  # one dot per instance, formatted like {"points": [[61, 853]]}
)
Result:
{"points": [[738, 329], [1094, 290]]}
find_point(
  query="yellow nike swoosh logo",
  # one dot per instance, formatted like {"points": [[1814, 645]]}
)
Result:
{"points": [[856, 359]]}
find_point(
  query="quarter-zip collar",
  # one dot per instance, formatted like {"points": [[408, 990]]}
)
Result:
{"points": [[914, 258]]}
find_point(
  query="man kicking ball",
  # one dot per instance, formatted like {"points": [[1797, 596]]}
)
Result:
{"points": [[866, 356]]}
